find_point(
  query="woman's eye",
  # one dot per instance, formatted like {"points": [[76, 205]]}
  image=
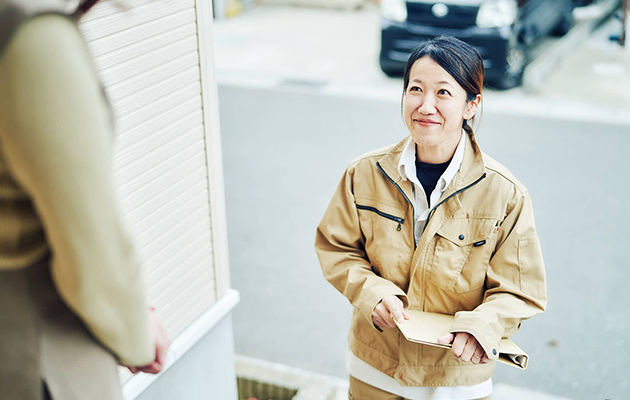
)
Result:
{"points": [[414, 89], [444, 91]]}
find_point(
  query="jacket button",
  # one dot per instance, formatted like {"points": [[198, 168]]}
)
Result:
{"points": [[461, 237], [494, 352]]}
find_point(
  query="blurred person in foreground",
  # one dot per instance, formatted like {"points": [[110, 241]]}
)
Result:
{"points": [[432, 224], [72, 300]]}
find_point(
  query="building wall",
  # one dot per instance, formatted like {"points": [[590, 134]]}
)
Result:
{"points": [[206, 372], [156, 61]]}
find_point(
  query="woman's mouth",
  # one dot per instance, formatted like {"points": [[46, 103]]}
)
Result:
{"points": [[426, 122]]}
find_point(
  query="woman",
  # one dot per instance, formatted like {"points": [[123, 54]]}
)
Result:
{"points": [[433, 224], [72, 301]]}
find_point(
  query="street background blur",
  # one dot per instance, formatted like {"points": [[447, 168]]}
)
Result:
{"points": [[301, 95]]}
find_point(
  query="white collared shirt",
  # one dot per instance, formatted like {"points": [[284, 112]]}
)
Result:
{"points": [[370, 375], [407, 170]]}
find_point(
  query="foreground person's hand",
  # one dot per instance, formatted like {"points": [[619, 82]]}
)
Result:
{"points": [[465, 347], [161, 347], [390, 308]]}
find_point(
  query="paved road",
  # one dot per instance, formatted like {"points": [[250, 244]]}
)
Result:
{"points": [[284, 151]]}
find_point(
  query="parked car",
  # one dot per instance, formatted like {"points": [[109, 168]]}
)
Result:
{"points": [[503, 31]]}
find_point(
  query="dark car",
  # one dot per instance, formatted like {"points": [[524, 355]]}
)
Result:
{"points": [[501, 30]]}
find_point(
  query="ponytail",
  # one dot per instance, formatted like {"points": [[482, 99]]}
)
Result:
{"points": [[468, 129]]}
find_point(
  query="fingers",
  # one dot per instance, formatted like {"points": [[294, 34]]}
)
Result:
{"points": [[446, 339], [381, 317], [395, 307], [459, 343], [467, 348], [162, 343], [390, 308], [378, 320], [477, 355], [153, 368]]}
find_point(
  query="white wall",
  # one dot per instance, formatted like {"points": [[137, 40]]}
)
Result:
{"points": [[206, 372], [156, 61]]}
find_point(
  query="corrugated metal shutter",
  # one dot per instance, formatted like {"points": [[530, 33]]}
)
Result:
{"points": [[148, 58]]}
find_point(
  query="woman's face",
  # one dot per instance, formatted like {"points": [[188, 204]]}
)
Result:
{"points": [[434, 107]]}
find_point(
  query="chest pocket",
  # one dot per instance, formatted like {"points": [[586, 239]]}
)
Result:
{"points": [[462, 254], [386, 246]]}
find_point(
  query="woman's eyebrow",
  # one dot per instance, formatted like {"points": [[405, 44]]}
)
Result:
{"points": [[439, 83]]}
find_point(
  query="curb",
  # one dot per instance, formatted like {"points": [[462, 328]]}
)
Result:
{"points": [[590, 17]]}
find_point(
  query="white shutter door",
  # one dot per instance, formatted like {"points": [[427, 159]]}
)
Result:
{"points": [[147, 56]]}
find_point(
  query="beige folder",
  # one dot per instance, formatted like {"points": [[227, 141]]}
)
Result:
{"points": [[426, 328]]}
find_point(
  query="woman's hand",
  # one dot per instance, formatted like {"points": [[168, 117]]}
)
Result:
{"points": [[161, 347], [465, 347], [390, 308]]}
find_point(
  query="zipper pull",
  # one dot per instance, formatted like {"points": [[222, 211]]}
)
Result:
{"points": [[400, 221]]}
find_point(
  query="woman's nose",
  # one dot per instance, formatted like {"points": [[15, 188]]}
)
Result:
{"points": [[428, 105]]}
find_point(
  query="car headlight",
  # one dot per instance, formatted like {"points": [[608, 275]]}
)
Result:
{"points": [[497, 13], [394, 9]]}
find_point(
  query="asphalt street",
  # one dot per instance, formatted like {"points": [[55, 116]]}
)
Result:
{"points": [[284, 151]]}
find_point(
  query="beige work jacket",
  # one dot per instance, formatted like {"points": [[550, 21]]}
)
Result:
{"points": [[57, 192], [479, 258]]}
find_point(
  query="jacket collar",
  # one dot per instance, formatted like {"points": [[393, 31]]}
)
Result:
{"points": [[472, 167], [389, 165], [15, 12]]}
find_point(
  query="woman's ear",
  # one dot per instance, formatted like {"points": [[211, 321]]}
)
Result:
{"points": [[472, 106]]}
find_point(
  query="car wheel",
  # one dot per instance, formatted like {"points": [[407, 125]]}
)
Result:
{"points": [[515, 62], [565, 24]]}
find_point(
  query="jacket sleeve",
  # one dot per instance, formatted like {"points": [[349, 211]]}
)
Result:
{"points": [[515, 281], [56, 132], [340, 246]]}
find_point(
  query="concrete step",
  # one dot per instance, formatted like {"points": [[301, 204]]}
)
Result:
{"points": [[314, 386]]}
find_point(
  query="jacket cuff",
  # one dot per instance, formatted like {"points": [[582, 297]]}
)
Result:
{"points": [[483, 330], [375, 296]]}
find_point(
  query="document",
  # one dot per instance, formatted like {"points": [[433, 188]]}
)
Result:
{"points": [[426, 328]]}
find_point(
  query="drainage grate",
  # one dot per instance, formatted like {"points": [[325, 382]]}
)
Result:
{"points": [[249, 388]]}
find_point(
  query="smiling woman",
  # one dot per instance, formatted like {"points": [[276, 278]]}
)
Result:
{"points": [[442, 88], [434, 106], [432, 224]]}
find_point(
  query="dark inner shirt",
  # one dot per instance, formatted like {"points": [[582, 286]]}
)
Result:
{"points": [[429, 175]]}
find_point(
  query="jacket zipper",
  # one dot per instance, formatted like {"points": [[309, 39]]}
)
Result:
{"points": [[382, 214], [395, 184], [451, 195], [401, 192]]}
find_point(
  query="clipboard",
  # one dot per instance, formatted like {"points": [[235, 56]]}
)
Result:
{"points": [[426, 328]]}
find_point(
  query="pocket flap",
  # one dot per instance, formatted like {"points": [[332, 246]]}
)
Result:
{"points": [[467, 231]]}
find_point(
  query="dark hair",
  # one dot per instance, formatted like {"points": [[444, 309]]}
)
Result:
{"points": [[84, 7], [462, 61]]}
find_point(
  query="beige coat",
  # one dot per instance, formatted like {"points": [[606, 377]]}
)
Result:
{"points": [[58, 205], [478, 258]]}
